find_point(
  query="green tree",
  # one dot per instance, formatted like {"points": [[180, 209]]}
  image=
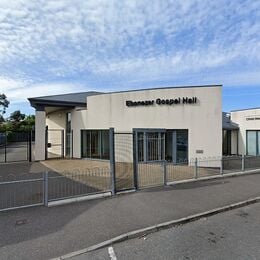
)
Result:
{"points": [[17, 116], [4, 103], [2, 120], [28, 123]]}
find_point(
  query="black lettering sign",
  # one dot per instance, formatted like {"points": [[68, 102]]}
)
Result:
{"points": [[160, 101]]}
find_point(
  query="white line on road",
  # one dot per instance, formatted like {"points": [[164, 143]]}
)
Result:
{"points": [[112, 253]]}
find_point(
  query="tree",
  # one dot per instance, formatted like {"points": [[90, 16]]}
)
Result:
{"points": [[4, 103], [17, 116], [28, 123], [2, 120]]}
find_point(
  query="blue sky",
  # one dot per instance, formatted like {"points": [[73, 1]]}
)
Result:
{"points": [[60, 46]]}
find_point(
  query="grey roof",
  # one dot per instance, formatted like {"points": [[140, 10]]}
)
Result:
{"points": [[244, 109], [77, 99], [72, 99], [227, 124]]}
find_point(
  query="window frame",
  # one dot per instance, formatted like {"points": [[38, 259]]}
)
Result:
{"points": [[100, 143], [257, 131]]}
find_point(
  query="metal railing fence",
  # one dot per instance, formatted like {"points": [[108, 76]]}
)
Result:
{"points": [[28, 190], [78, 183], [21, 191], [16, 146], [163, 172]]}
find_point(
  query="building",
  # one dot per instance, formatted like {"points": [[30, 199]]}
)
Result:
{"points": [[174, 124], [248, 121], [186, 120]]}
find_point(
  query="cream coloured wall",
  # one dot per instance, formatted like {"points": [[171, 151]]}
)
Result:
{"points": [[242, 118], [56, 120], [40, 123], [203, 120], [234, 143]]}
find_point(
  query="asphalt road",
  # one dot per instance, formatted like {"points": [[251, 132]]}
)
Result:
{"points": [[50, 232], [230, 235]]}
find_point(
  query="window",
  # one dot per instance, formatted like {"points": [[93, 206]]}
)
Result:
{"points": [[176, 145], [170, 145], [151, 146], [226, 144], [253, 142], [95, 144]]}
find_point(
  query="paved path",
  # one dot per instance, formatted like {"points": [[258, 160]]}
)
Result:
{"points": [[230, 235], [50, 232]]}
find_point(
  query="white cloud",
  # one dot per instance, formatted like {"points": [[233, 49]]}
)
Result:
{"points": [[19, 91], [137, 40]]}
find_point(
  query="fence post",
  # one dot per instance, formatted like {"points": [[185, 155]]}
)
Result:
{"points": [[5, 146], [196, 168], [135, 160], [164, 173], [243, 162], [112, 160], [46, 142], [221, 166], [30, 146], [46, 189], [62, 144]]}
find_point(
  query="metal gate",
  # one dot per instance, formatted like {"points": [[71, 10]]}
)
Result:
{"points": [[54, 144], [124, 161], [150, 158], [16, 146]]}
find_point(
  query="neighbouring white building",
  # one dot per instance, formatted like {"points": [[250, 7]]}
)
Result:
{"points": [[173, 124]]}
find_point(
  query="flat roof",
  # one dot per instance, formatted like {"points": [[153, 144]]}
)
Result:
{"points": [[77, 99], [158, 88], [69, 100], [237, 110]]}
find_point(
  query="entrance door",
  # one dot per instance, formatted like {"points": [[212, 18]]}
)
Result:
{"points": [[54, 144]]}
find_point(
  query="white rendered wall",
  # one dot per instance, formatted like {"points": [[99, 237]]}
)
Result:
{"points": [[203, 120], [234, 141], [241, 118], [40, 123]]}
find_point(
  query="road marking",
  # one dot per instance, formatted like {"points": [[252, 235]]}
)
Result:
{"points": [[112, 253]]}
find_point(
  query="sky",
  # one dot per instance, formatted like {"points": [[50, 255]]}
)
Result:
{"points": [[63, 46]]}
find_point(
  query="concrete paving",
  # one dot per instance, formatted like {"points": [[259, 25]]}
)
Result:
{"points": [[42, 233], [230, 235]]}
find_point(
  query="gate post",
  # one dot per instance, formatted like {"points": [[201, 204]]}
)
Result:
{"points": [[30, 146], [46, 189], [135, 160], [46, 143], [243, 162], [196, 168], [221, 165], [165, 172], [112, 160], [5, 146], [62, 143]]}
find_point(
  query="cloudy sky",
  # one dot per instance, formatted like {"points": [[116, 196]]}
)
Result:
{"points": [[60, 46]]}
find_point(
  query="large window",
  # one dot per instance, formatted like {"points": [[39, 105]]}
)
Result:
{"points": [[95, 144], [170, 145], [177, 146], [226, 145], [253, 142], [151, 146]]}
